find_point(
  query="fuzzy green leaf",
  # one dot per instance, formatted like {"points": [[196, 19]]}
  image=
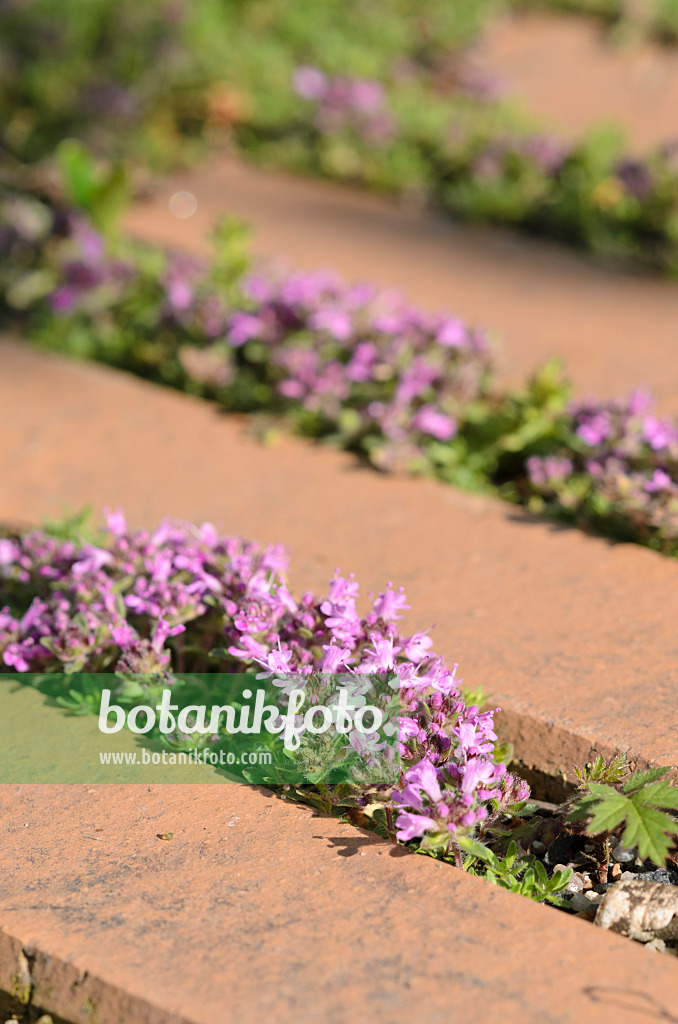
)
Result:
{"points": [[542, 877], [476, 849], [559, 880]]}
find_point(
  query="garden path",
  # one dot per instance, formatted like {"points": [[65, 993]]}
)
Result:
{"points": [[573, 636], [257, 908], [613, 330], [570, 73]]}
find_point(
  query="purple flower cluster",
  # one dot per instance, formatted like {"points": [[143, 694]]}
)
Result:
{"points": [[88, 277], [628, 458], [406, 374], [453, 782], [323, 346], [544, 152], [343, 102], [158, 602]]}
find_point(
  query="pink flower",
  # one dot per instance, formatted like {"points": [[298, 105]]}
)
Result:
{"points": [[124, 635], [309, 83], [9, 551], [335, 321], [335, 657], [277, 661], [390, 603], [659, 481], [381, 656], [594, 428], [425, 776], [417, 647], [411, 826], [437, 424], [477, 771], [367, 96], [452, 333], [116, 522], [658, 433], [162, 632], [243, 327]]}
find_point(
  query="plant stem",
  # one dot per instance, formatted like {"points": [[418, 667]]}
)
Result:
{"points": [[389, 824]]}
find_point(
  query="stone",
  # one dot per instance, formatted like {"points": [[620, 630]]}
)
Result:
{"points": [[622, 855], [642, 910]]}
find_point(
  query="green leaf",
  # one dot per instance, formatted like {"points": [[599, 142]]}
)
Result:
{"points": [[639, 779], [503, 753], [540, 870], [557, 901], [659, 794], [559, 880], [78, 172], [511, 855], [527, 884], [647, 829], [610, 812], [477, 849], [439, 841], [521, 810]]}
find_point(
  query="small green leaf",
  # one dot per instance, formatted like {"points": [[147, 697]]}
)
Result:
{"points": [[503, 753], [477, 849], [557, 901], [559, 880], [540, 871], [527, 884]]}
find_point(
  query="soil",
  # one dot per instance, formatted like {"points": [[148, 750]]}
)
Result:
{"points": [[557, 848]]}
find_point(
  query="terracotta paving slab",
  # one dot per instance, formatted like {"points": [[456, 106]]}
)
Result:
{"points": [[569, 73], [257, 910], [573, 632], [613, 330]]}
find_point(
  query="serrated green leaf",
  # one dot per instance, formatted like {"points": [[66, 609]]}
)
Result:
{"points": [[616, 769], [647, 828], [658, 794], [610, 812], [639, 778]]}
